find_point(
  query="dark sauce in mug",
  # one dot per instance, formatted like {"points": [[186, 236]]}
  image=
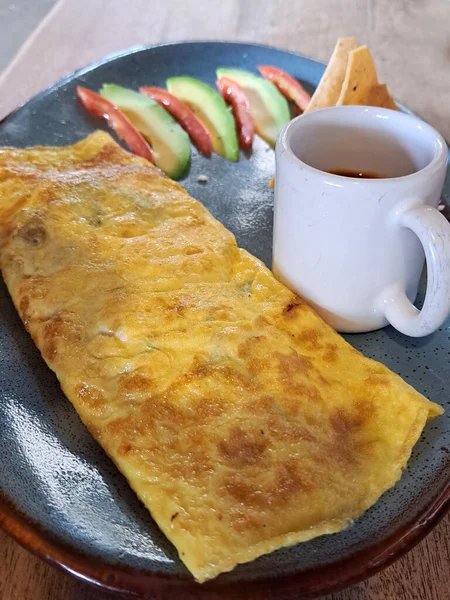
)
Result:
{"points": [[357, 174]]}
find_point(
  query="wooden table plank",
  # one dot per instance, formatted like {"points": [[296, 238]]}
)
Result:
{"points": [[410, 40]]}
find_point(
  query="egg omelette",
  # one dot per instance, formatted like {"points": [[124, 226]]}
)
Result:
{"points": [[241, 420]]}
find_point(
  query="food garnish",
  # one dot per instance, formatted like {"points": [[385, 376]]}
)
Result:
{"points": [[170, 143], [234, 95], [210, 108], [269, 108], [288, 86], [100, 107], [184, 115]]}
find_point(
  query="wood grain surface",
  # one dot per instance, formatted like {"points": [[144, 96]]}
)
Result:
{"points": [[410, 40]]}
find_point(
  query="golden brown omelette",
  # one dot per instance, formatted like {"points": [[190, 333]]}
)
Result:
{"points": [[241, 420]]}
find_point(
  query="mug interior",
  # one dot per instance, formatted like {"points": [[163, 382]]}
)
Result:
{"points": [[363, 139]]}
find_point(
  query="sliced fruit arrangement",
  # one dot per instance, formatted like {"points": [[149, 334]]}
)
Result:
{"points": [[269, 108], [189, 108], [170, 143], [184, 115], [287, 85], [212, 111], [234, 95], [100, 107]]}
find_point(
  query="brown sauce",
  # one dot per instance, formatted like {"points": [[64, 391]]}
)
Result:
{"points": [[357, 174]]}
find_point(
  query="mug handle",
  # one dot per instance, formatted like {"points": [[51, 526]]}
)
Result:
{"points": [[433, 230]]}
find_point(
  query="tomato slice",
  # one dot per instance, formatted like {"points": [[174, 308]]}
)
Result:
{"points": [[233, 93], [287, 85], [100, 107], [184, 115]]}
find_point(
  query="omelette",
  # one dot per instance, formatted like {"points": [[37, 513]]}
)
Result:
{"points": [[241, 420]]}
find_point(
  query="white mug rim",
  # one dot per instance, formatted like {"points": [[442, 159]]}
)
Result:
{"points": [[441, 148]]}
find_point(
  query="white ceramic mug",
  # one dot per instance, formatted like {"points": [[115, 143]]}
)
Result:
{"points": [[355, 248]]}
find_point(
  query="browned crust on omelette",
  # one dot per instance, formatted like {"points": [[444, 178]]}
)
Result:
{"points": [[242, 421]]}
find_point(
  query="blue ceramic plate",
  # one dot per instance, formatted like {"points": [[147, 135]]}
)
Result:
{"points": [[64, 499]]}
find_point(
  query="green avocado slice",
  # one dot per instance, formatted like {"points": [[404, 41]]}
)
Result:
{"points": [[269, 108], [212, 111], [170, 144]]}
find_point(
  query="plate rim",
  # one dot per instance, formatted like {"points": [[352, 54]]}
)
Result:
{"points": [[120, 578], [307, 584]]}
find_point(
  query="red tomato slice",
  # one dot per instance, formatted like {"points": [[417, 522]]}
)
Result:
{"points": [[287, 85], [233, 93], [100, 107], [184, 115]]}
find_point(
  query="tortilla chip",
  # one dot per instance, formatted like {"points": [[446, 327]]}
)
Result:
{"points": [[360, 78], [379, 96], [329, 88]]}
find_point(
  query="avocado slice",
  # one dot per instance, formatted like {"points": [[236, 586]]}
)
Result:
{"points": [[170, 143], [212, 111], [269, 108]]}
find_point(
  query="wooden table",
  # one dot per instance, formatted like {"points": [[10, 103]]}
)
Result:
{"points": [[410, 40]]}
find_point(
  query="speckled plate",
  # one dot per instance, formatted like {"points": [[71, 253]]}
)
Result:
{"points": [[63, 498]]}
